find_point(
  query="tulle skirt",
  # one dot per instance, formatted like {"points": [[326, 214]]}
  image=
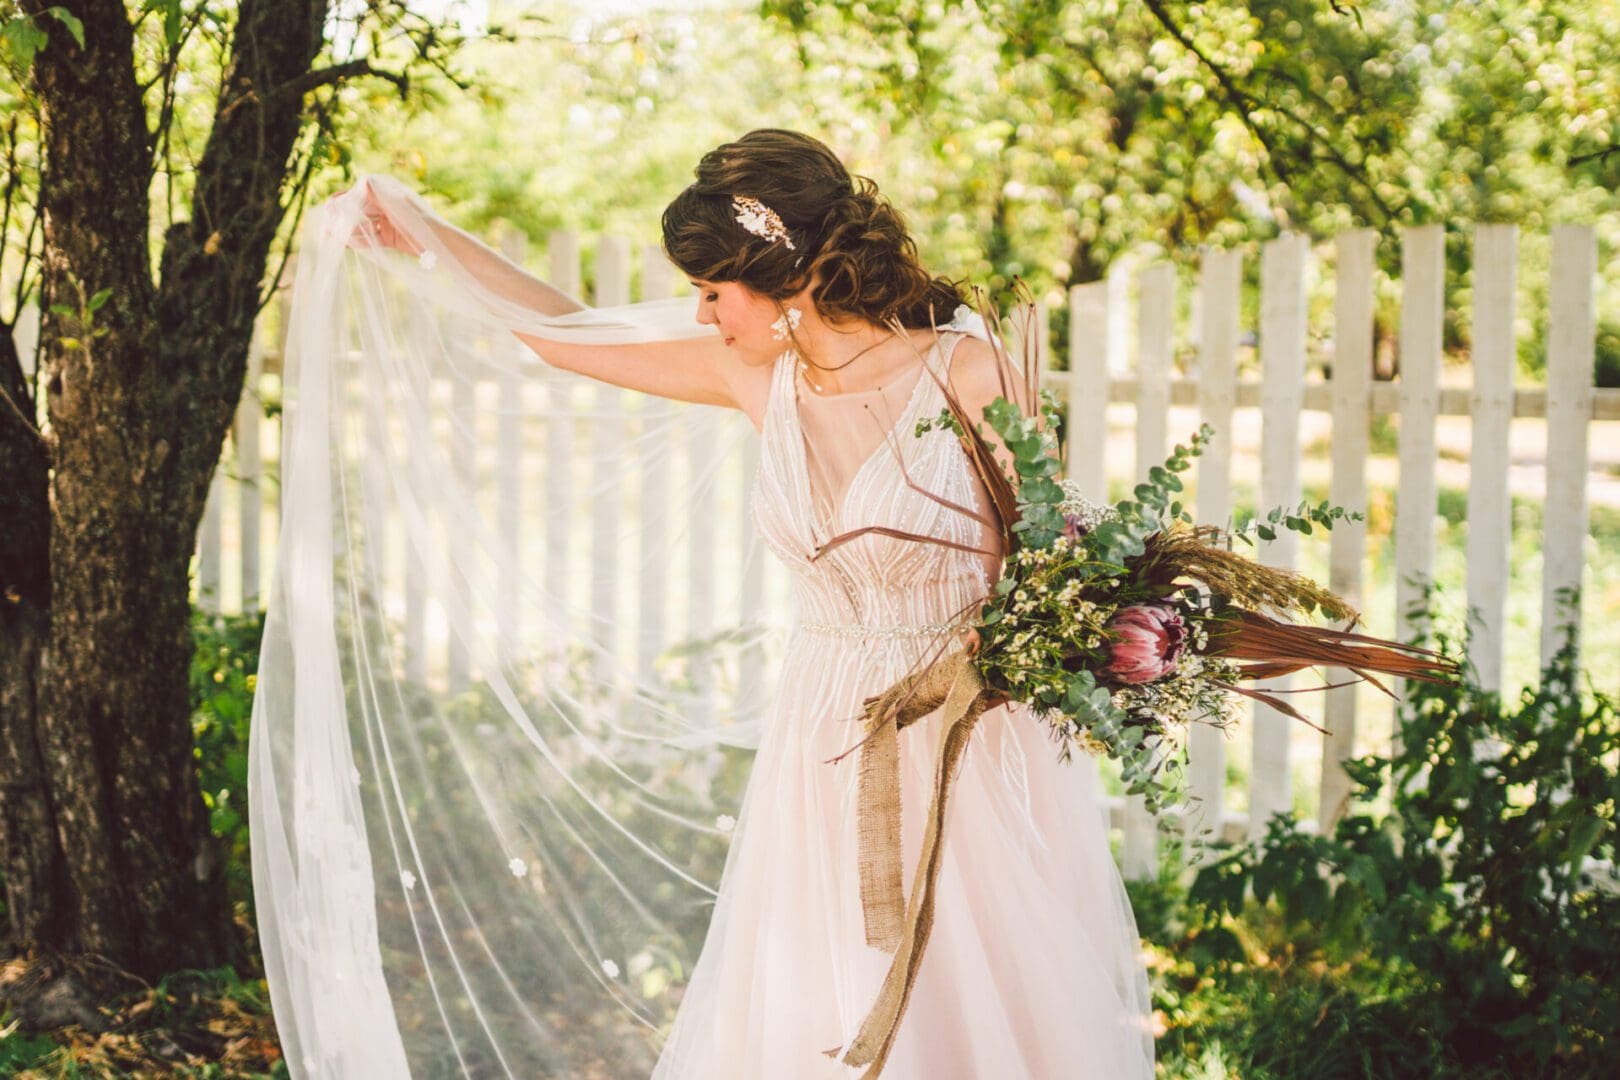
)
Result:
{"points": [[1033, 969]]}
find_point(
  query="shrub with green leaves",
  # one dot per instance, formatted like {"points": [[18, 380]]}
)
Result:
{"points": [[1477, 917], [224, 668]]}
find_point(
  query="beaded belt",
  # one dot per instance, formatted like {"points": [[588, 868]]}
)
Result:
{"points": [[861, 630]]}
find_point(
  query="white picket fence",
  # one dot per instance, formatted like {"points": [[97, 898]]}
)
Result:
{"points": [[241, 514]]}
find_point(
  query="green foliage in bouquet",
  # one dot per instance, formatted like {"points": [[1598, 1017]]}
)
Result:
{"points": [[1480, 916], [1046, 628]]}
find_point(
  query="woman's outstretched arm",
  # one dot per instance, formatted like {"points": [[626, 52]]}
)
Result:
{"points": [[698, 370]]}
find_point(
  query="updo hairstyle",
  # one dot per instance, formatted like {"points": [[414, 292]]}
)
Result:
{"points": [[839, 226]]}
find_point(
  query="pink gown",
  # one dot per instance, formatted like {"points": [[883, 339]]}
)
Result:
{"points": [[1033, 969]]}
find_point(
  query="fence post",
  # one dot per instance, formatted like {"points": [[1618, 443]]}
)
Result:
{"points": [[210, 541], [1156, 323], [563, 254], [1490, 503], [1351, 389], [702, 439], [1571, 343], [1091, 319], [607, 431], [656, 449], [1423, 306], [1219, 304], [1282, 389], [511, 389]]}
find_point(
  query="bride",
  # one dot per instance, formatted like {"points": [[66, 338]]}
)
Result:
{"points": [[815, 320]]}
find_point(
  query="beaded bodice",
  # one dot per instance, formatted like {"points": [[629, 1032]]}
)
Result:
{"points": [[879, 581]]}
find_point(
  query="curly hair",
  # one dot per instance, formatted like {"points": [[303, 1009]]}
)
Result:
{"points": [[839, 224]]}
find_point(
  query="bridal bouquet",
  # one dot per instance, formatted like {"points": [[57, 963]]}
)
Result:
{"points": [[1120, 626]]}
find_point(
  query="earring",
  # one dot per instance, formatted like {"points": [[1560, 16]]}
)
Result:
{"points": [[788, 322]]}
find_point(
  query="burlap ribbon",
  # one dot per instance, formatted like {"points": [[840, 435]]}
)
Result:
{"points": [[891, 924]]}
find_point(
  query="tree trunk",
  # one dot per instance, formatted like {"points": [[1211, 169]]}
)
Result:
{"points": [[105, 843], [31, 867]]}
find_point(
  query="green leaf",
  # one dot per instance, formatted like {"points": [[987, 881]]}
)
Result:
{"points": [[22, 39], [1583, 836], [171, 22], [99, 299], [69, 20]]}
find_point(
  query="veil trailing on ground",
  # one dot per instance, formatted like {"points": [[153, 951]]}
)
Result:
{"points": [[510, 678]]}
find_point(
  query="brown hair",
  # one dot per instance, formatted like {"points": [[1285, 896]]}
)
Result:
{"points": [[838, 223]]}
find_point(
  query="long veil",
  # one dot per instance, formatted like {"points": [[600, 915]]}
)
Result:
{"points": [[510, 678]]}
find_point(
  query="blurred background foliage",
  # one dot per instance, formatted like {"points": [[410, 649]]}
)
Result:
{"points": [[1051, 140], [1055, 140]]}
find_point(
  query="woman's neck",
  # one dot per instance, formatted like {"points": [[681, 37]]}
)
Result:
{"points": [[862, 358]]}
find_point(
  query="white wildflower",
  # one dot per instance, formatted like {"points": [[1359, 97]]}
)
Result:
{"points": [[725, 823], [610, 969], [407, 879], [518, 867]]}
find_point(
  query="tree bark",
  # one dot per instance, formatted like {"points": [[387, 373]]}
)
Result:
{"points": [[110, 850], [31, 867]]}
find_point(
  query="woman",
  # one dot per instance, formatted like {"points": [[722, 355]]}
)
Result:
{"points": [[823, 336]]}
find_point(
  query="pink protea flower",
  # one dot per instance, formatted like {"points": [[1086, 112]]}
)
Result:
{"points": [[1150, 638]]}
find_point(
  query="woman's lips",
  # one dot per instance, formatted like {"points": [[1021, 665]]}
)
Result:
{"points": [[729, 340]]}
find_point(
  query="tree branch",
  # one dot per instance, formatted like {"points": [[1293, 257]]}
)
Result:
{"points": [[22, 418], [1243, 102], [314, 80], [1596, 155]]}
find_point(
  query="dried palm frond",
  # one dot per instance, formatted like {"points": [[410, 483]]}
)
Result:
{"points": [[1186, 551], [1265, 647]]}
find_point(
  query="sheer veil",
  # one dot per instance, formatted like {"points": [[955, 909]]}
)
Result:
{"points": [[506, 695], [513, 671]]}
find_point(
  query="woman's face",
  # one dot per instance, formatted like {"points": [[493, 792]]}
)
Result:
{"points": [[743, 317]]}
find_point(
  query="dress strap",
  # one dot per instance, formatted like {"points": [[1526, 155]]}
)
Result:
{"points": [[940, 356], [948, 349]]}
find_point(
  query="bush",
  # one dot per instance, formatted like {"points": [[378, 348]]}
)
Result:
{"points": [[224, 669], [1473, 930]]}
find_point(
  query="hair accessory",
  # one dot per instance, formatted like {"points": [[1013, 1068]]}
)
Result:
{"points": [[760, 219]]}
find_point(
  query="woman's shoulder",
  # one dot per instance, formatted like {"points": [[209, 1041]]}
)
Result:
{"points": [[975, 368]]}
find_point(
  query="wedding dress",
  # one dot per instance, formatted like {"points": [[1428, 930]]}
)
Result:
{"points": [[1032, 969], [497, 834]]}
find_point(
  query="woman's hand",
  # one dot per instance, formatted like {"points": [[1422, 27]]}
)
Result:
{"points": [[377, 229], [970, 645]]}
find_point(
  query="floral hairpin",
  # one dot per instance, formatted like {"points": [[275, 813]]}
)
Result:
{"points": [[760, 219]]}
